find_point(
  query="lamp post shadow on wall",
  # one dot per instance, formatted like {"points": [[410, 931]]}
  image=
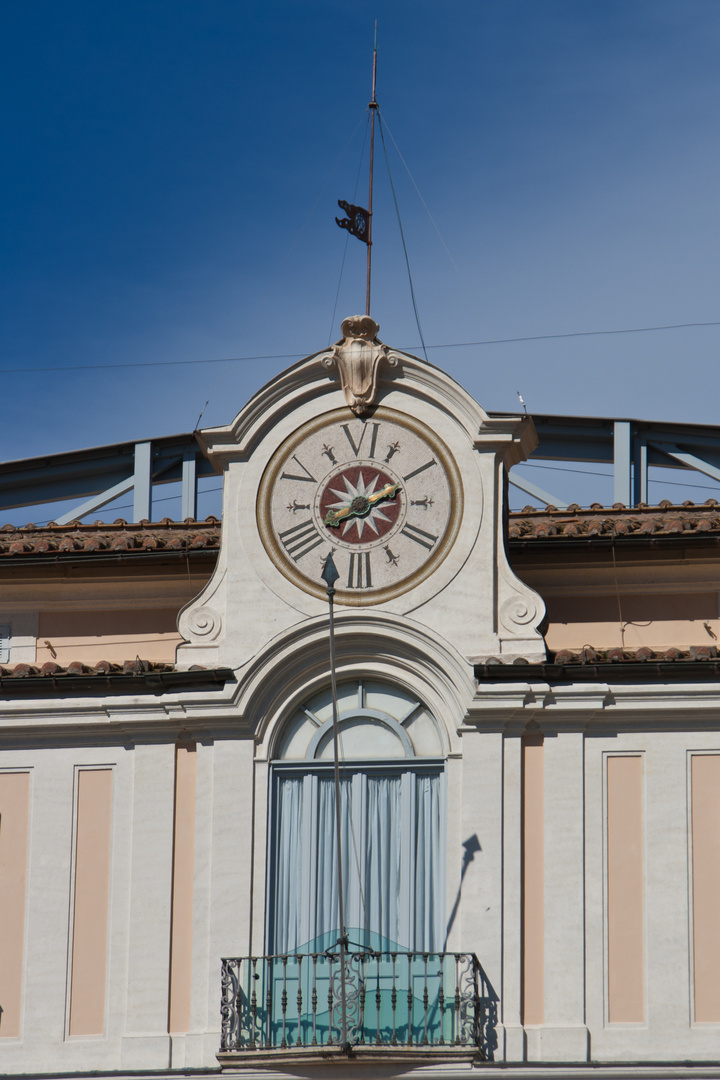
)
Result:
{"points": [[489, 997], [471, 848]]}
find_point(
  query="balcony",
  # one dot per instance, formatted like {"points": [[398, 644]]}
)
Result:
{"points": [[397, 1006]]}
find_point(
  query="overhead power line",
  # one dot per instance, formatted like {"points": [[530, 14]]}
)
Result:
{"points": [[407, 348], [570, 334]]}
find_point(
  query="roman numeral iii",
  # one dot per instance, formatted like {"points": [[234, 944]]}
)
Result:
{"points": [[420, 536], [422, 468]]}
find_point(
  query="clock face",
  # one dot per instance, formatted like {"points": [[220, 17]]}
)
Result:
{"points": [[383, 495]]}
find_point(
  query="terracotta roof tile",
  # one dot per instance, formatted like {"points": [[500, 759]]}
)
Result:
{"points": [[76, 667], [617, 521], [74, 538], [572, 525], [703, 652], [589, 656], [23, 680]]}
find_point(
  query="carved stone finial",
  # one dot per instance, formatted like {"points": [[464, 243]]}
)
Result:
{"points": [[357, 356], [361, 328]]}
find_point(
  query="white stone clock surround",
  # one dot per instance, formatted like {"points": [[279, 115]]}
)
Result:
{"points": [[391, 548], [472, 597]]}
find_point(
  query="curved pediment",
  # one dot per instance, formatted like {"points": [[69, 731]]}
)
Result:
{"points": [[358, 371]]}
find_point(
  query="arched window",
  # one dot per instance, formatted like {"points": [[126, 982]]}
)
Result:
{"points": [[392, 811]]}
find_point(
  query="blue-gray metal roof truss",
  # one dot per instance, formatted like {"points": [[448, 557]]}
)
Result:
{"points": [[100, 474], [90, 479]]}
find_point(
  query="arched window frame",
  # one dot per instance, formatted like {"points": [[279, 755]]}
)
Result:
{"points": [[409, 767]]}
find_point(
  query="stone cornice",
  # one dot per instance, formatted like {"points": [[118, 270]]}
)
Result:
{"points": [[193, 711]]}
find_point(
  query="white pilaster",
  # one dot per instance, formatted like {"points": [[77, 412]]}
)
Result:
{"points": [[230, 873], [563, 1035], [455, 832], [510, 991], [481, 897], [146, 1043], [189, 1050], [48, 895]]}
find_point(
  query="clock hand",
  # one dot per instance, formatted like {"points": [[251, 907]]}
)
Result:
{"points": [[335, 517], [360, 505], [385, 493]]}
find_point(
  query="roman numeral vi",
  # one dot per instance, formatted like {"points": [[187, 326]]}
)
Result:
{"points": [[359, 575]]}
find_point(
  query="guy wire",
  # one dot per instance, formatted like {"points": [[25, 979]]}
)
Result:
{"points": [[422, 200], [259, 306], [347, 234], [402, 236]]}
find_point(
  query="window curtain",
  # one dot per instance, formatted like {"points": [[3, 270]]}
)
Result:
{"points": [[391, 829]]}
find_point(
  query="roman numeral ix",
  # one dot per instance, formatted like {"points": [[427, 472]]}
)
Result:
{"points": [[300, 539]]}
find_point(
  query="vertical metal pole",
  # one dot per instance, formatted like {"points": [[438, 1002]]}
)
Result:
{"points": [[330, 576], [142, 497], [622, 455], [640, 473], [373, 109], [189, 486]]}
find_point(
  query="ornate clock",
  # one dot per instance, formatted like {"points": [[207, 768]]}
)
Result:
{"points": [[383, 494]]}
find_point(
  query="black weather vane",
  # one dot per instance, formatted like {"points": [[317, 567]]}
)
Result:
{"points": [[357, 221]]}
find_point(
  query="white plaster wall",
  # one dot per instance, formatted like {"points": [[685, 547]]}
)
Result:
{"points": [[483, 797], [140, 894], [667, 1032], [44, 1045]]}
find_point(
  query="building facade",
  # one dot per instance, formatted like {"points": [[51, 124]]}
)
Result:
{"points": [[530, 760]]}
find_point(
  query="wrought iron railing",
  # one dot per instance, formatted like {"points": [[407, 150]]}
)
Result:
{"points": [[392, 999]]}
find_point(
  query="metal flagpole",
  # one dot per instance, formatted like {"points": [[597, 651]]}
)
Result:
{"points": [[359, 220], [373, 106], [330, 575]]}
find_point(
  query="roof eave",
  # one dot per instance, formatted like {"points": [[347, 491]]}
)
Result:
{"points": [[149, 682], [632, 671]]}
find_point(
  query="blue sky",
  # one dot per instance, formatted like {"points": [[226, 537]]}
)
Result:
{"points": [[171, 169]]}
